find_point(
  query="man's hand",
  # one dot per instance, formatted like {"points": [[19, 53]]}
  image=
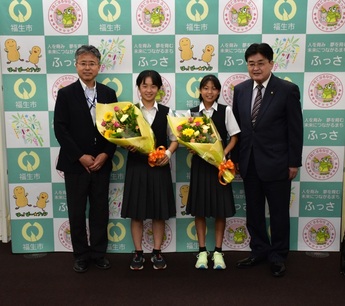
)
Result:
{"points": [[292, 173]]}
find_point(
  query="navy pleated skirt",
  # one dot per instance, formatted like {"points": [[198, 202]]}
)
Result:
{"points": [[207, 197], [148, 191]]}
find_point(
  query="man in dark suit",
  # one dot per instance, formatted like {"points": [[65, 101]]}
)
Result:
{"points": [[268, 155], [86, 159]]}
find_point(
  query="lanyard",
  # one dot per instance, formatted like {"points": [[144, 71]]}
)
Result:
{"points": [[91, 102]]}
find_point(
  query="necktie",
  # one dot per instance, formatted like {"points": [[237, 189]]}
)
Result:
{"points": [[257, 104]]}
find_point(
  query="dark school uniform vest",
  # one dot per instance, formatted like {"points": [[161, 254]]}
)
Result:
{"points": [[159, 126]]}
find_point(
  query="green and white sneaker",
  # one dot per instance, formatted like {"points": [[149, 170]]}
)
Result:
{"points": [[218, 261], [201, 263]]}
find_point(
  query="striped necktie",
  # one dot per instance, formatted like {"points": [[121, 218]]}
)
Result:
{"points": [[257, 104]]}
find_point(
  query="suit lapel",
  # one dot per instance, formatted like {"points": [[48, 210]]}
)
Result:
{"points": [[247, 100], [80, 97], [100, 97]]}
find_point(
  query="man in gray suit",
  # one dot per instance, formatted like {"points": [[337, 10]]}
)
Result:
{"points": [[85, 158], [268, 155]]}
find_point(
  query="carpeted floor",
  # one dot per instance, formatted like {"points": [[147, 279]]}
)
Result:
{"points": [[50, 280]]}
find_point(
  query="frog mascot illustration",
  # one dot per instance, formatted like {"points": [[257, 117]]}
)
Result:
{"points": [[325, 165], [329, 92], [321, 235], [239, 234], [157, 16], [333, 15], [68, 16], [244, 16]]}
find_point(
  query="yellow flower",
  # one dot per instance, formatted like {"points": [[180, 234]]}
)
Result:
{"points": [[107, 133], [199, 119], [127, 107], [188, 132], [108, 116]]}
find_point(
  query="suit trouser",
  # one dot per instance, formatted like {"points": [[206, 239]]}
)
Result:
{"points": [[275, 246], [94, 187]]}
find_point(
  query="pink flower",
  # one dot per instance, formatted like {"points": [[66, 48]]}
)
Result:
{"points": [[116, 108], [103, 123], [179, 128], [116, 124], [190, 119]]}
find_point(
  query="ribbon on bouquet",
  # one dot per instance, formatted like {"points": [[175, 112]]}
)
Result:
{"points": [[224, 177], [157, 154]]}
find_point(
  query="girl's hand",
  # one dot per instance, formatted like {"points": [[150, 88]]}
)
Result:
{"points": [[162, 161], [131, 149], [191, 151]]}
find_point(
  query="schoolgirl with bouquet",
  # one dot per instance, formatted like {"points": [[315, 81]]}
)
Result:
{"points": [[207, 196]]}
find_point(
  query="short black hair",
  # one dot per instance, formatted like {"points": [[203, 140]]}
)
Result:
{"points": [[263, 48], [87, 49], [212, 78], [154, 75]]}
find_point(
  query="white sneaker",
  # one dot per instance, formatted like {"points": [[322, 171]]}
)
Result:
{"points": [[218, 261], [201, 263]]}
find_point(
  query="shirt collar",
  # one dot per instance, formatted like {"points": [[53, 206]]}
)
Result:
{"points": [[202, 106], [264, 84], [84, 85], [141, 104]]}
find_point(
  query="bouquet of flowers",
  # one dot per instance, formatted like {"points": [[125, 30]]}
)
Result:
{"points": [[201, 135], [122, 123]]}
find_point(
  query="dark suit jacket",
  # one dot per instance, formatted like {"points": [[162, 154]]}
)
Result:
{"points": [[277, 138], [74, 128]]}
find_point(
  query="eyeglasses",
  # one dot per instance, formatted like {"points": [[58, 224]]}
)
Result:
{"points": [[259, 64], [86, 64]]}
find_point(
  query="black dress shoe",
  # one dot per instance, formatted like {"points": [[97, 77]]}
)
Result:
{"points": [[278, 269], [248, 262], [80, 266], [102, 263]]}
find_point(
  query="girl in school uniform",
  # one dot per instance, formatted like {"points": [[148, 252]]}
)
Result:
{"points": [[207, 197], [148, 191]]}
